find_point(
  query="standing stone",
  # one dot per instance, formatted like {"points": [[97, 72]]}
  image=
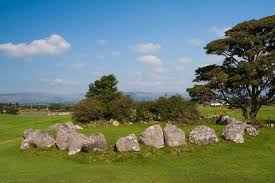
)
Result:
{"points": [[234, 132], [63, 137], [76, 142], [203, 135], [173, 136], [153, 136], [128, 143], [37, 138], [252, 130], [95, 142]]}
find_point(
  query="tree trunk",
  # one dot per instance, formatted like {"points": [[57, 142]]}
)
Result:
{"points": [[245, 113], [253, 113]]}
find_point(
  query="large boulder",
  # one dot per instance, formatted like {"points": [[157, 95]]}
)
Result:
{"points": [[37, 138], [224, 120], [203, 135], [173, 136], [128, 143], [96, 142], [76, 142], [153, 136], [55, 127], [234, 132], [252, 130], [63, 137]]}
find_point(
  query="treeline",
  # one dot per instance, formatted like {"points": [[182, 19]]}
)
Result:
{"points": [[14, 108], [104, 102]]}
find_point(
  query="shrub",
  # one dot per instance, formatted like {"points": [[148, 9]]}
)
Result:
{"points": [[121, 108], [88, 110]]}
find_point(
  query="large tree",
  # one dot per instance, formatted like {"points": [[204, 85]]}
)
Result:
{"points": [[246, 79], [105, 89]]}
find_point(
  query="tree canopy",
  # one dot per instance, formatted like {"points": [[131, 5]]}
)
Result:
{"points": [[246, 79]]}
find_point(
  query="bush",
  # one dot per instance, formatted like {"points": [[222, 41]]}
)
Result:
{"points": [[174, 108], [121, 108], [88, 110]]}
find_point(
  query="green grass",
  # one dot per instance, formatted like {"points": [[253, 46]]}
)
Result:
{"points": [[266, 113], [253, 161]]}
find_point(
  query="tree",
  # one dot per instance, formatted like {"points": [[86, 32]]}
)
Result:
{"points": [[121, 108], [201, 93], [246, 77], [105, 89]]}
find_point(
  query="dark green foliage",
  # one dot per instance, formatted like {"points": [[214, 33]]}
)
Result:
{"points": [[59, 107], [105, 89], [88, 110], [121, 108], [246, 79], [173, 108], [8, 108]]}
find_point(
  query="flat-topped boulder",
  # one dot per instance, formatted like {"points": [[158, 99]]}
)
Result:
{"points": [[128, 143], [173, 136], [36, 138], [203, 135], [234, 132], [153, 136], [68, 124], [96, 142]]}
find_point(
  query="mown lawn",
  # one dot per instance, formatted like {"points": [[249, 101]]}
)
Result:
{"points": [[253, 161], [266, 113]]}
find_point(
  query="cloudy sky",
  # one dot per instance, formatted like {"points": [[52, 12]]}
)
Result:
{"points": [[62, 46]]}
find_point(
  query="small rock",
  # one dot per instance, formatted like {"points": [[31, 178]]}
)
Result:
{"points": [[252, 130], [95, 142], [153, 136], [224, 120], [128, 143], [203, 135], [114, 122], [173, 136]]}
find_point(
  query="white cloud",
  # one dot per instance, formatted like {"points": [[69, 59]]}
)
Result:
{"points": [[149, 59], [145, 47], [183, 61], [57, 82], [52, 45], [72, 66], [115, 53], [219, 32], [212, 59], [196, 42], [102, 42]]}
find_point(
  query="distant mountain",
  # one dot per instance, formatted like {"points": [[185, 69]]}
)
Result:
{"points": [[48, 98], [38, 98]]}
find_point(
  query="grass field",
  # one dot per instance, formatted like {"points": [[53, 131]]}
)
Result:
{"points": [[266, 113], [253, 161]]}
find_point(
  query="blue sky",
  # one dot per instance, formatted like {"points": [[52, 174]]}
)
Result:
{"points": [[61, 46]]}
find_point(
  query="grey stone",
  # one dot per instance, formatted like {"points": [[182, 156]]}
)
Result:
{"points": [[96, 142], [153, 136], [252, 130], [234, 132], [63, 137], [37, 138], [203, 135], [55, 127], [224, 120], [128, 143], [173, 136], [76, 142]]}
